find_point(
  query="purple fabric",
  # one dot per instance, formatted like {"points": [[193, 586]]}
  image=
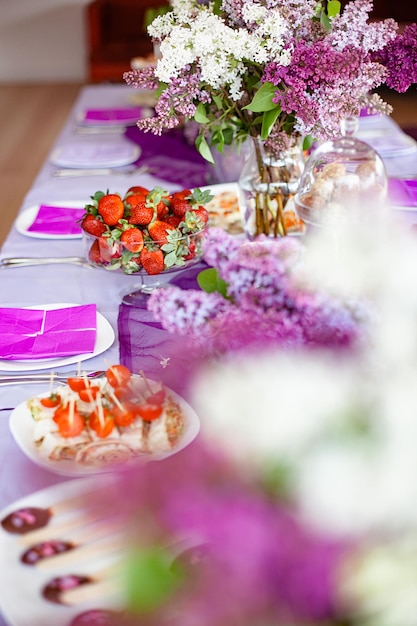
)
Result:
{"points": [[53, 220], [145, 346], [402, 192], [37, 333], [171, 158], [112, 116]]}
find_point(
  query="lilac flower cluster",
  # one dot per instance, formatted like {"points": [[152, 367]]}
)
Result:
{"points": [[253, 562], [313, 86], [214, 59], [400, 59], [265, 302]]}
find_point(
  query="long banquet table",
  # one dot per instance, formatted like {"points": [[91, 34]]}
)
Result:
{"points": [[66, 283]]}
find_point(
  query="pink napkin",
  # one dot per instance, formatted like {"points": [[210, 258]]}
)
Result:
{"points": [[402, 192], [41, 334], [53, 220], [112, 116]]}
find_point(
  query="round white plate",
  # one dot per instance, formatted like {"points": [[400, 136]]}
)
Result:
{"points": [[21, 600], [22, 425], [26, 218], [96, 154], [104, 339]]}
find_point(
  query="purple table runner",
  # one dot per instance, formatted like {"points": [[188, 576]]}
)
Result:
{"points": [[145, 345], [171, 157]]}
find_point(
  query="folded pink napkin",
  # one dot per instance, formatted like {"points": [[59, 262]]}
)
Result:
{"points": [[57, 220], [112, 116], [402, 192], [41, 334]]}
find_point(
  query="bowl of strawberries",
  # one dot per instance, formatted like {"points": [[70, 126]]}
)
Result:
{"points": [[145, 232]]}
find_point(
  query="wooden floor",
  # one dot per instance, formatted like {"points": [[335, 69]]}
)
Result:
{"points": [[32, 116]]}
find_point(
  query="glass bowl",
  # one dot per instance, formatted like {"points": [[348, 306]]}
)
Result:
{"points": [[340, 176], [153, 265]]}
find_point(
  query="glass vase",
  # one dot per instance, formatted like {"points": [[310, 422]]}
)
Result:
{"points": [[268, 183]]}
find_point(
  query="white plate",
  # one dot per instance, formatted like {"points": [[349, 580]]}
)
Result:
{"points": [[96, 154], [22, 425], [21, 599], [26, 218], [104, 339]]}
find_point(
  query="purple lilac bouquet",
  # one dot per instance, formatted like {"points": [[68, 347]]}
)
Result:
{"points": [[212, 547], [271, 69], [264, 298]]}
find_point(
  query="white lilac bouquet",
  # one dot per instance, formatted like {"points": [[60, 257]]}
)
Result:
{"points": [[271, 68]]}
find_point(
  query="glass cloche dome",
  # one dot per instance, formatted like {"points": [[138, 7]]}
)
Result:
{"points": [[341, 174]]}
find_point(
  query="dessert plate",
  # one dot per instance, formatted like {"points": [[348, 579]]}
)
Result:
{"points": [[21, 599], [95, 154], [22, 426], [104, 339]]}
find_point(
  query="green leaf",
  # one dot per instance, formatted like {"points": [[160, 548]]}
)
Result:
{"points": [[333, 8], [200, 114], [324, 21], [218, 101], [268, 121], [204, 149], [308, 142], [161, 88], [201, 197], [210, 282], [149, 579], [262, 100]]}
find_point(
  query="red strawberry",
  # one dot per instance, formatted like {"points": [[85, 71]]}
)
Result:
{"points": [[137, 189], [172, 220], [158, 231], [108, 251], [91, 224], [94, 254], [180, 206], [132, 239], [111, 208], [133, 199], [141, 214], [185, 193], [202, 214], [191, 250], [152, 261], [161, 210]]}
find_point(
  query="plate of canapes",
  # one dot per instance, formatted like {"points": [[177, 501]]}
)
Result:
{"points": [[95, 425]]}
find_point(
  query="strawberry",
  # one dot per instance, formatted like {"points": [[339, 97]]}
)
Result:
{"points": [[172, 220], [180, 206], [132, 239], [201, 213], [94, 254], [185, 193], [152, 261], [133, 199], [141, 214], [137, 189], [111, 208], [92, 225], [161, 210], [158, 231], [191, 249]]}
